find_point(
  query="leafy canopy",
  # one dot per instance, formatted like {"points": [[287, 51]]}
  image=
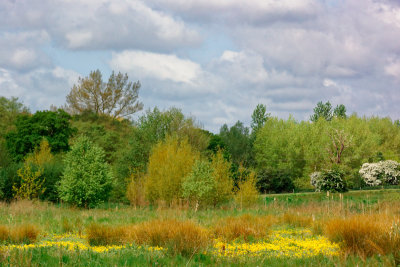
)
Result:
{"points": [[87, 177], [30, 130], [116, 98]]}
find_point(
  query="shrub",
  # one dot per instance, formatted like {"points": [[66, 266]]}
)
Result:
{"points": [[169, 163], [31, 185], [246, 227], [86, 180], [383, 172], [329, 180], [247, 195], [199, 185], [276, 181], [223, 180], [135, 191]]}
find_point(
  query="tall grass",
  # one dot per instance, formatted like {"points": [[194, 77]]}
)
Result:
{"points": [[246, 227], [26, 233], [179, 237], [366, 235]]}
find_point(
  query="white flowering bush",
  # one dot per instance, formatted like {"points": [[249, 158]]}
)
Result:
{"points": [[329, 180], [316, 180], [383, 172]]}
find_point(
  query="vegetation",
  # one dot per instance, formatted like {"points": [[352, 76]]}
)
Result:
{"points": [[86, 180], [195, 196], [116, 98]]}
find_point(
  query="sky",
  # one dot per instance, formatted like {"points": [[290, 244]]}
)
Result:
{"points": [[215, 60]]}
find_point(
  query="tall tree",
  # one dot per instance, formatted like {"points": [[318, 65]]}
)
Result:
{"points": [[116, 98], [340, 111], [237, 141], [322, 110], [259, 117], [30, 130]]}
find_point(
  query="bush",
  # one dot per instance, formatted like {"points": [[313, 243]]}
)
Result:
{"points": [[384, 172], [199, 185], [247, 195], [223, 180], [86, 180], [276, 181], [329, 180], [135, 191], [170, 162]]}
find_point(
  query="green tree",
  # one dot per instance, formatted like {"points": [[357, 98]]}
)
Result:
{"points": [[199, 185], [259, 117], [237, 142], [9, 109], [340, 111], [30, 130], [87, 177], [116, 98], [322, 111]]}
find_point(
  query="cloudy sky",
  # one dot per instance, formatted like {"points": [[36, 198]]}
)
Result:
{"points": [[216, 60]]}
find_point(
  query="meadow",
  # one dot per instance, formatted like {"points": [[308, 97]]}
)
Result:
{"points": [[357, 228]]}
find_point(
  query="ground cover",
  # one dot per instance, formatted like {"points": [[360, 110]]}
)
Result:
{"points": [[281, 230]]}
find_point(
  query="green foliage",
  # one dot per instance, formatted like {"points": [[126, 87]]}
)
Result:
{"points": [[151, 128], [279, 146], [30, 130], [274, 180], [9, 109], [259, 117], [170, 162], [238, 143], [87, 177], [340, 111], [199, 186], [322, 111]]}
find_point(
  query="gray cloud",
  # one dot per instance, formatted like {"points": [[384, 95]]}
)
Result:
{"points": [[286, 54]]}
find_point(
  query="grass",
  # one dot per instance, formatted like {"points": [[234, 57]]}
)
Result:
{"points": [[178, 229]]}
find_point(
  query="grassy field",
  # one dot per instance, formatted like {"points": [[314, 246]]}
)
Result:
{"points": [[359, 228]]}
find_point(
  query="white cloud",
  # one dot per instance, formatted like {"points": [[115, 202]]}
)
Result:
{"points": [[158, 66]]}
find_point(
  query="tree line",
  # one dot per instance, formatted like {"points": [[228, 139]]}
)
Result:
{"points": [[89, 150]]}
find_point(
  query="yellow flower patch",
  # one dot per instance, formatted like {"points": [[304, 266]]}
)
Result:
{"points": [[282, 243]]}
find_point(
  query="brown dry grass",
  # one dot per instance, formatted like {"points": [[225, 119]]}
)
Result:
{"points": [[25, 233], [246, 227], [100, 235], [365, 234], [4, 233], [180, 237], [297, 220]]}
